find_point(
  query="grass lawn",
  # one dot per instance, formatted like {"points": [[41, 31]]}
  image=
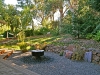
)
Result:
{"points": [[12, 43], [61, 40]]}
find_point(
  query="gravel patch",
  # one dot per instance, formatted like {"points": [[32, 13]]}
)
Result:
{"points": [[53, 64]]}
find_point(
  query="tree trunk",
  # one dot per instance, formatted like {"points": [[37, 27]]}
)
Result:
{"points": [[32, 27], [60, 19]]}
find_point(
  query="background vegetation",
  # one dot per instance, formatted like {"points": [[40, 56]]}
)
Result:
{"points": [[80, 18]]}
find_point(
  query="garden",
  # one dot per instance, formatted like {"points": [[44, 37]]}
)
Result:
{"points": [[80, 28], [71, 39]]}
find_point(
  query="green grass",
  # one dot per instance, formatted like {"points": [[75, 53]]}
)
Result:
{"points": [[32, 40], [54, 40]]}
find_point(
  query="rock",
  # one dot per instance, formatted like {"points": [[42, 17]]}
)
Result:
{"points": [[95, 62], [91, 49], [93, 57], [94, 52], [97, 58], [83, 48], [88, 56], [65, 47], [98, 51], [71, 47], [98, 54], [68, 54]]}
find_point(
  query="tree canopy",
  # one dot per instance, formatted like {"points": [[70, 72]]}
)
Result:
{"points": [[80, 17]]}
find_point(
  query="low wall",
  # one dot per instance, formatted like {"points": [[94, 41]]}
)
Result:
{"points": [[96, 57], [55, 49], [58, 49]]}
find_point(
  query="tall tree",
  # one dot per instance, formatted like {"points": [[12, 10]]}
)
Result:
{"points": [[23, 3], [95, 4], [57, 5], [84, 18], [10, 17], [2, 11]]}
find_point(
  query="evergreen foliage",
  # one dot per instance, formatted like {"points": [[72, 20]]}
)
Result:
{"points": [[81, 18]]}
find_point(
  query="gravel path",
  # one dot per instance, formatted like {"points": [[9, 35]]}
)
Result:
{"points": [[53, 64]]}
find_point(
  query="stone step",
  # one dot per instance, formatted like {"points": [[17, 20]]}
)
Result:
{"points": [[14, 67], [2, 51], [6, 54], [16, 70]]}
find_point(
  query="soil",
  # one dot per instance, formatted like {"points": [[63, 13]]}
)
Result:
{"points": [[87, 43]]}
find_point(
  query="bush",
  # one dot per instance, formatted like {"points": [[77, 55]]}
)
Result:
{"points": [[40, 45], [67, 29], [23, 46], [21, 36], [78, 54], [61, 53], [97, 36], [37, 32], [89, 36], [44, 30], [32, 47], [41, 31], [55, 32], [28, 33]]}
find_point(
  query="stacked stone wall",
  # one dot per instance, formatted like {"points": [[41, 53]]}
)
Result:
{"points": [[58, 49], [96, 56]]}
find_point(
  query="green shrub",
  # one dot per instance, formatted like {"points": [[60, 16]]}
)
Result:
{"points": [[28, 33], [97, 36], [23, 46], [55, 32], [89, 36], [32, 47], [44, 30], [21, 36], [67, 29], [37, 32], [78, 54], [41, 31], [61, 53]]}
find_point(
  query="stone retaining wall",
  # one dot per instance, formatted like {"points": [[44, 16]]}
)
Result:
{"points": [[58, 49], [96, 57], [55, 49]]}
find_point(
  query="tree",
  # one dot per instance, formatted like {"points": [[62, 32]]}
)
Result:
{"points": [[84, 18], [2, 11], [12, 17], [23, 3], [52, 6], [95, 4], [31, 12]]}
